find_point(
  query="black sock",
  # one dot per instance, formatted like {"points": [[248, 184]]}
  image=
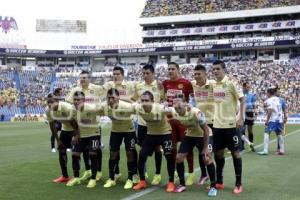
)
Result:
{"points": [[52, 139], [76, 165], [170, 166], [202, 166], [141, 166], [250, 135], [237, 163], [112, 168], [86, 159], [94, 165], [220, 162], [130, 167], [190, 161], [180, 171], [99, 156], [158, 160], [117, 168], [63, 160], [212, 174], [135, 164]]}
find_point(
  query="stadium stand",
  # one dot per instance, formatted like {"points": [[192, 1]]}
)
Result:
{"points": [[156, 8]]}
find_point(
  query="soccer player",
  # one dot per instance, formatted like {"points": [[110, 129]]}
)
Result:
{"points": [[87, 136], [250, 100], [178, 85], [203, 100], [125, 88], [198, 135], [126, 92], [149, 84], [285, 113], [159, 133], [226, 97], [58, 93], [60, 112], [274, 122], [93, 93], [121, 113]]}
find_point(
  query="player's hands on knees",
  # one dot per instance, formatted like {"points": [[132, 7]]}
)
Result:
{"points": [[205, 155], [179, 158], [239, 123], [59, 144], [75, 140]]}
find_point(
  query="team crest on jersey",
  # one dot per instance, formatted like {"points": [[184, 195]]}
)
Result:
{"points": [[180, 86]]}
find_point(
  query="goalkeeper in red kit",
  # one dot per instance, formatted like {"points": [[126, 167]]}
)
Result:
{"points": [[177, 85]]}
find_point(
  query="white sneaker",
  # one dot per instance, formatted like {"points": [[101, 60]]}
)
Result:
{"points": [[53, 150], [262, 153]]}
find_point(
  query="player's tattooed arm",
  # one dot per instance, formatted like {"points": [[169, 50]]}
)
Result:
{"points": [[75, 126], [240, 121], [54, 131]]}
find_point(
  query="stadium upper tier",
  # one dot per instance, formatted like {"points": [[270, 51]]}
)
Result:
{"points": [[157, 8]]}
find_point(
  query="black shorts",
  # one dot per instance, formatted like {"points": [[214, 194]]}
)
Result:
{"points": [[188, 144], [226, 138], [57, 125], [141, 133], [66, 138], [249, 118], [152, 141], [91, 144], [116, 140]]}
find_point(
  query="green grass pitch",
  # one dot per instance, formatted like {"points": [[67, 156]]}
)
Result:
{"points": [[27, 168]]}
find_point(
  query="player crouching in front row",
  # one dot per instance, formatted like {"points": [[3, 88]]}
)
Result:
{"points": [[198, 135]]}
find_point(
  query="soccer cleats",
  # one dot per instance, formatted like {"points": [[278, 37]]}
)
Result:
{"points": [[73, 182], [156, 179], [141, 185], [109, 183]]}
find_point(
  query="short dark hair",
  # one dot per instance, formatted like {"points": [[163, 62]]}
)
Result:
{"points": [[57, 90], [113, 91], [148, 93], [200, 67], [116, 68], [84, 72], [245, 83], [220, 62], [50, 96], [179, 96], [174, 63], [272, 91], [79, 94], [149, 67]]}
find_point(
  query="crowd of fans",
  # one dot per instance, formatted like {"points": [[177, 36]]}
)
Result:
{"points": [[156, 8], [35, 85]]}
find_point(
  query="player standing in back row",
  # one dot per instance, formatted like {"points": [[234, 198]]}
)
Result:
{"points": [[177, 85], [225, 135]]}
